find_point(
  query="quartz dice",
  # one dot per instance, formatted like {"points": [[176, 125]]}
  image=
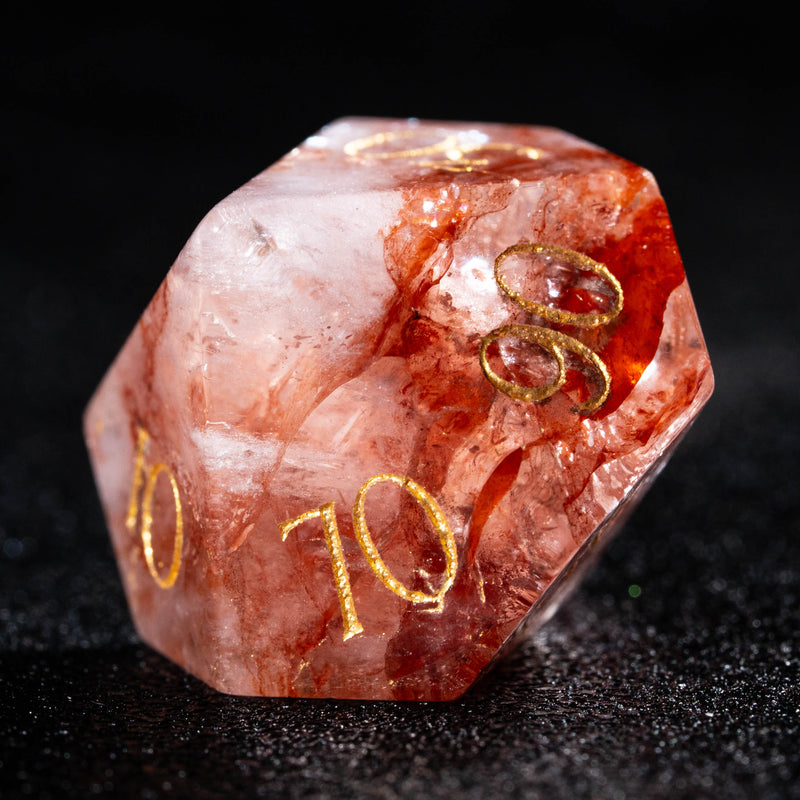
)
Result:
{"points": [[393, 391]]}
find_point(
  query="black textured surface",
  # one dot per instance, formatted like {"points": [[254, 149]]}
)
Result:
{"points": [[118, 137]]}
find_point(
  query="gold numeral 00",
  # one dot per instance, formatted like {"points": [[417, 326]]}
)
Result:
{"points": [[552, 341]]}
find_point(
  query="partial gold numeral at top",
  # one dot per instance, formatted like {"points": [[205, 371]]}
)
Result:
{"points": [[369, 146], [450, 153], [327, 515], [145, 505], [552, 341]]}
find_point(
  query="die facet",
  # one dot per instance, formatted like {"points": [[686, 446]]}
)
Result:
{"points": [[392, 393]]}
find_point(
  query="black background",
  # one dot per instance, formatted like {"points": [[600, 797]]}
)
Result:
{"points": [[119, 133]]}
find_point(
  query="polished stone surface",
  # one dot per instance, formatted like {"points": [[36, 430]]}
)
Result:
{"points": [[478, 337], [102, 170]]}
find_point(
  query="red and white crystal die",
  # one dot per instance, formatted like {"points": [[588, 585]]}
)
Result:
{"points": [[392, 391]]}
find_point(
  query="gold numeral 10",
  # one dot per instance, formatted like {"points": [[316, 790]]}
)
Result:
{"points": [[142, 501], [327, 515]]}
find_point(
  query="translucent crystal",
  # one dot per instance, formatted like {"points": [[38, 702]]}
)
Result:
{"points": [[389, 396]]}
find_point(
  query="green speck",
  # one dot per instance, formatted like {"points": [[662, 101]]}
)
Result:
{"points": [[634, 590]]}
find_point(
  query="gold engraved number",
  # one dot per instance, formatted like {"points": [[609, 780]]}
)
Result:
{"points": [[552, 341], [327, 514], [434, 514], [147, 511], [342, 580], [450, 153], [369, 146], [579, 260]]}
